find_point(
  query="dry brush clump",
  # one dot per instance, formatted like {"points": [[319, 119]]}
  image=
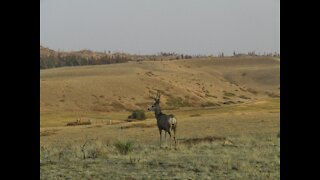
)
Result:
{"points": [[124, 147], [209, 104], [79, 123], [253, 91], [176, 102], [48, 132], [272, 94], [244, 97], [228, 94]]}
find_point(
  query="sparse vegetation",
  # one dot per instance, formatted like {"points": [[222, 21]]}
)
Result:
{"points": [[176, 102], [272, 94], [244, 97], [195, 115], [209, 95], [228, 102], [213, 157], [78, 123], [249, 143], [48, 132], [252, 91], [229, 94], [124, 147], [138, 125], [209, 104]]}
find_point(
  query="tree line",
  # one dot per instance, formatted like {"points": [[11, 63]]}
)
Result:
{"points": [[54, 61]]}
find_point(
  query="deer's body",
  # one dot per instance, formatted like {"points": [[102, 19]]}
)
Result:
{"points": [[165, 122]]}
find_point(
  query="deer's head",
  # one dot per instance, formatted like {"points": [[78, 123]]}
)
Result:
{"points": [[156, 103]]}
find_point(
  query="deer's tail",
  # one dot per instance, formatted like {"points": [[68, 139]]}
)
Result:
{"points": [[174, 125]]}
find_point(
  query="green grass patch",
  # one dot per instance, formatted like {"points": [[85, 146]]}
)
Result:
{"points": [[124, 147]]}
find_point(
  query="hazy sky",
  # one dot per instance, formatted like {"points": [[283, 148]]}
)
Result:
{"points": [[151, 26]]}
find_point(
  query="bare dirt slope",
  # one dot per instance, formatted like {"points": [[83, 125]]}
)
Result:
{"points": [[183, 83]]}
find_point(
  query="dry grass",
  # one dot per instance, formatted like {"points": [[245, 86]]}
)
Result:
{"points": [[48, 132], [118, 87], [272, 94], [255, 156], [253, 91], [203, 139], [244, 97], [195, 115], [79, 123], [236, 142], [217, 138], [139, 125]]}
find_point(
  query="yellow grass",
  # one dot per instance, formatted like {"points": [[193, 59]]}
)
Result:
{"points": [[127, 86], [251, 149], [245, 144]]}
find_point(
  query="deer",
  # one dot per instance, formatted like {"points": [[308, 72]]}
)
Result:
{"points": [[165, 122]]}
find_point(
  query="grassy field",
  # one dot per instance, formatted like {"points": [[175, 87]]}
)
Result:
{"points": [[230, 142], [216, 139]]}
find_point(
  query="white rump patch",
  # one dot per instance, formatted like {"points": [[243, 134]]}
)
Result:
{"points": [[172, 121]]}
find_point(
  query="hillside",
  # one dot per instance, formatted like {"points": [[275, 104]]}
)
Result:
{"points": [[205, 82]]}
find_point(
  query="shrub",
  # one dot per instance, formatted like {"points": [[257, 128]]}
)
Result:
{"points": [[176, 102], [209, 104], [252, 91], [124, 147], [273, 95], [244, 97], [138, 114], [229, 94]]}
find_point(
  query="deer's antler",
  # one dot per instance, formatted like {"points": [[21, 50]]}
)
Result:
{"points": [[158, 95], [152, 97]]}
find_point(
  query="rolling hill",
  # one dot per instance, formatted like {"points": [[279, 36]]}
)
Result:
{"points": [[202, 82]]}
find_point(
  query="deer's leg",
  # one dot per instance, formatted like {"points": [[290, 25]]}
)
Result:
{"points": [[165, 137], [160, 131], [170, 138], [174, 137]]}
